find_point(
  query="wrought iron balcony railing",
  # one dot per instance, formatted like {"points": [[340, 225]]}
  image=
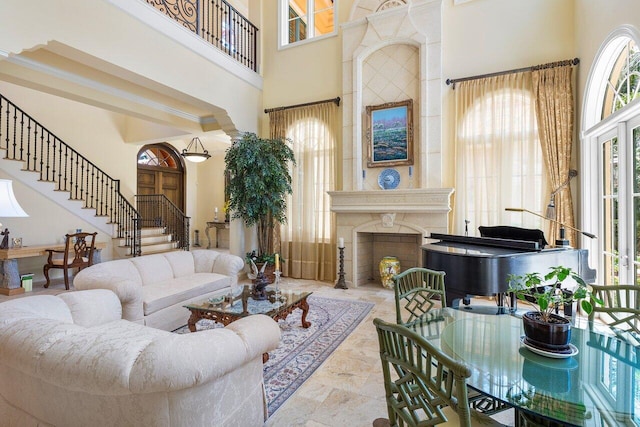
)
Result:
{"points": [[218, 23]]}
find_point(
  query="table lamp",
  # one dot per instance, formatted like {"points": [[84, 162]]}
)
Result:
{"points": [[9, 207]]}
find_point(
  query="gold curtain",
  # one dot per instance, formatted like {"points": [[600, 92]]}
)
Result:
{"points": [[498, 157], [553, 93], [307, 240]]}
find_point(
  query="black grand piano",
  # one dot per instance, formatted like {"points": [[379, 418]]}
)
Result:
{"points": [[480, 265]]}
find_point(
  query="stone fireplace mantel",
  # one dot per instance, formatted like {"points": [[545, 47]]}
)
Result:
{"points": [[395, 221], [409, 200]]}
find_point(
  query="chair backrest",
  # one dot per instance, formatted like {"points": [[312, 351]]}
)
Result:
{"points": [[79, 248], [621, 307], [416, 289], [424, 379]]}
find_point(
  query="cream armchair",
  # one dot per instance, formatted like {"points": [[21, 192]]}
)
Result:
{"points": [[70, 360]]}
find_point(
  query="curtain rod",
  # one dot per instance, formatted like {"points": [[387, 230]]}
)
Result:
{"points": [[574, 61], [336, 100]]}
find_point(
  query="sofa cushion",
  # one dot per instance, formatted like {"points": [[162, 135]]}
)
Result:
{"points": [[153, 269], [204, 259], [181, 263], [93, 307], [174, 291]]}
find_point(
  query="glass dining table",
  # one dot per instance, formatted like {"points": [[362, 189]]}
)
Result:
{"points": [[598, 384]]}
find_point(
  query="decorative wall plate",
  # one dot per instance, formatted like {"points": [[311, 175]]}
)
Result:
{"points": [[389, 179]]}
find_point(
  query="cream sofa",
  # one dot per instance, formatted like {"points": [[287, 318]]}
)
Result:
{"points": [[154, 288], [70, 360]]}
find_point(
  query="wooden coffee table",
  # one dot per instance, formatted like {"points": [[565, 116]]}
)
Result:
{"points": [[244, 305]]}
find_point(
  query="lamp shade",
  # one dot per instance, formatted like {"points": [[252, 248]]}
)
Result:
{"points": [[9, 206]]}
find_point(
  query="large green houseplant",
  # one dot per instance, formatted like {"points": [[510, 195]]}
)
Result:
{"points": [[258, 185]]}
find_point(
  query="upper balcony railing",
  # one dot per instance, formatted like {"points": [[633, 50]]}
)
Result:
{"points": [[218, 23]]}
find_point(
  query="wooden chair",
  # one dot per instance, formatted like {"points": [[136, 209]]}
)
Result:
{"points": [[423, 386], [416, 289], [78, 253], [620, 309]]}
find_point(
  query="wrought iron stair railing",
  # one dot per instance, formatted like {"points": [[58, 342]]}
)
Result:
{"points": [[156, 210], [217, 22], [24, 139]]}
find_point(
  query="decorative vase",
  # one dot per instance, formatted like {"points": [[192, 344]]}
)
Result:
{"points": [[552, 336], [389, 267], [269, 271]]}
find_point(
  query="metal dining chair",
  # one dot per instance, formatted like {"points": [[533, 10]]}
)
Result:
{"points": [[423, 385], [416, 292], [77, 253]]}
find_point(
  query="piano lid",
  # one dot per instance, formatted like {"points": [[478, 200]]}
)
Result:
{"points": [[522, 245]]}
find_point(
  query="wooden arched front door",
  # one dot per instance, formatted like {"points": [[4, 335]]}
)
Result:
{"points": [[161, 171]]}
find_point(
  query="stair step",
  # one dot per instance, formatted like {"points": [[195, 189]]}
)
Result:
{"points": [[151, 252], [161, 238], [152, 231]]}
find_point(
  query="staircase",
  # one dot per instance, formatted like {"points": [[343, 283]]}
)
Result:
{"points": [[76, 180], [153, 240]]}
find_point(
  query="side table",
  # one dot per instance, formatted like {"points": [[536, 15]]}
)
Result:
{"points": [[218, 225]]}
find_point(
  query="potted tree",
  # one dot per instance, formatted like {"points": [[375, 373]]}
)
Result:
{"points": [[542, 327], [259, 181]]}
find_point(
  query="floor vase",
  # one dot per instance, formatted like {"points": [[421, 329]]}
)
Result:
{"points": [[389, 267]]}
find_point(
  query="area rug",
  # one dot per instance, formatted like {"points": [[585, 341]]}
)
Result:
{"points": [[302, 351]]}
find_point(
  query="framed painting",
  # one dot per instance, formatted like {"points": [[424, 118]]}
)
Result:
{"points": [[389, 130]]}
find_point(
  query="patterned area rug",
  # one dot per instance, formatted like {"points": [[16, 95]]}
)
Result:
{"points": [[302, 351]]}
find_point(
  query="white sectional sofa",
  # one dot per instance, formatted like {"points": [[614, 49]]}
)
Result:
{"points": [[154, 288], [70, 361]]}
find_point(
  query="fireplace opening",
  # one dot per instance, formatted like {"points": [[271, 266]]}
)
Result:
{"points": [[372, 247]]}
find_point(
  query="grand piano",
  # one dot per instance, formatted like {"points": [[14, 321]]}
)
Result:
{"points": [[480, 265]]}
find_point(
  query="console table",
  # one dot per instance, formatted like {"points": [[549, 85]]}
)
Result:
{"points": [[9, 274], [218, 225]]}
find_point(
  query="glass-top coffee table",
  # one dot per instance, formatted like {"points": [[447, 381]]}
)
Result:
{"points": [[227, 310]]}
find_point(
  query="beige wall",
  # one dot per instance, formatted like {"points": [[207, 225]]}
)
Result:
{"points": [[297, 74]]}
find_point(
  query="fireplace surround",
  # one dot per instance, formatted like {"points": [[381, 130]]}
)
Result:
{"points": [[374, 223]]}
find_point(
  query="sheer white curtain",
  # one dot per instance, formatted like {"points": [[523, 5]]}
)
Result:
{"points": [[498, 155], [307, 239]]}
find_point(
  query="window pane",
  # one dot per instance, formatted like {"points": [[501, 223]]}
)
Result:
{"points": [[297, 26], [323, 14], [610, 211], [624, 81]]}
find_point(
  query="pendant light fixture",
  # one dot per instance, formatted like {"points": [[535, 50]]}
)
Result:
{"points": [[195, 151]]}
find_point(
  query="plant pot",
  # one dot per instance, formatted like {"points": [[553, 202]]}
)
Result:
{"points": [[554, 335]]}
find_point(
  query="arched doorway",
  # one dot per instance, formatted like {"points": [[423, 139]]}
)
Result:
{"points": [[161, 171]]}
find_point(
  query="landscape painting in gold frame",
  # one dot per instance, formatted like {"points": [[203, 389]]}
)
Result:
{"points": [[389, 135]]}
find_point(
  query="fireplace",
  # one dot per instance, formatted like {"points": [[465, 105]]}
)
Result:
{"points": [[375, 224]]}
